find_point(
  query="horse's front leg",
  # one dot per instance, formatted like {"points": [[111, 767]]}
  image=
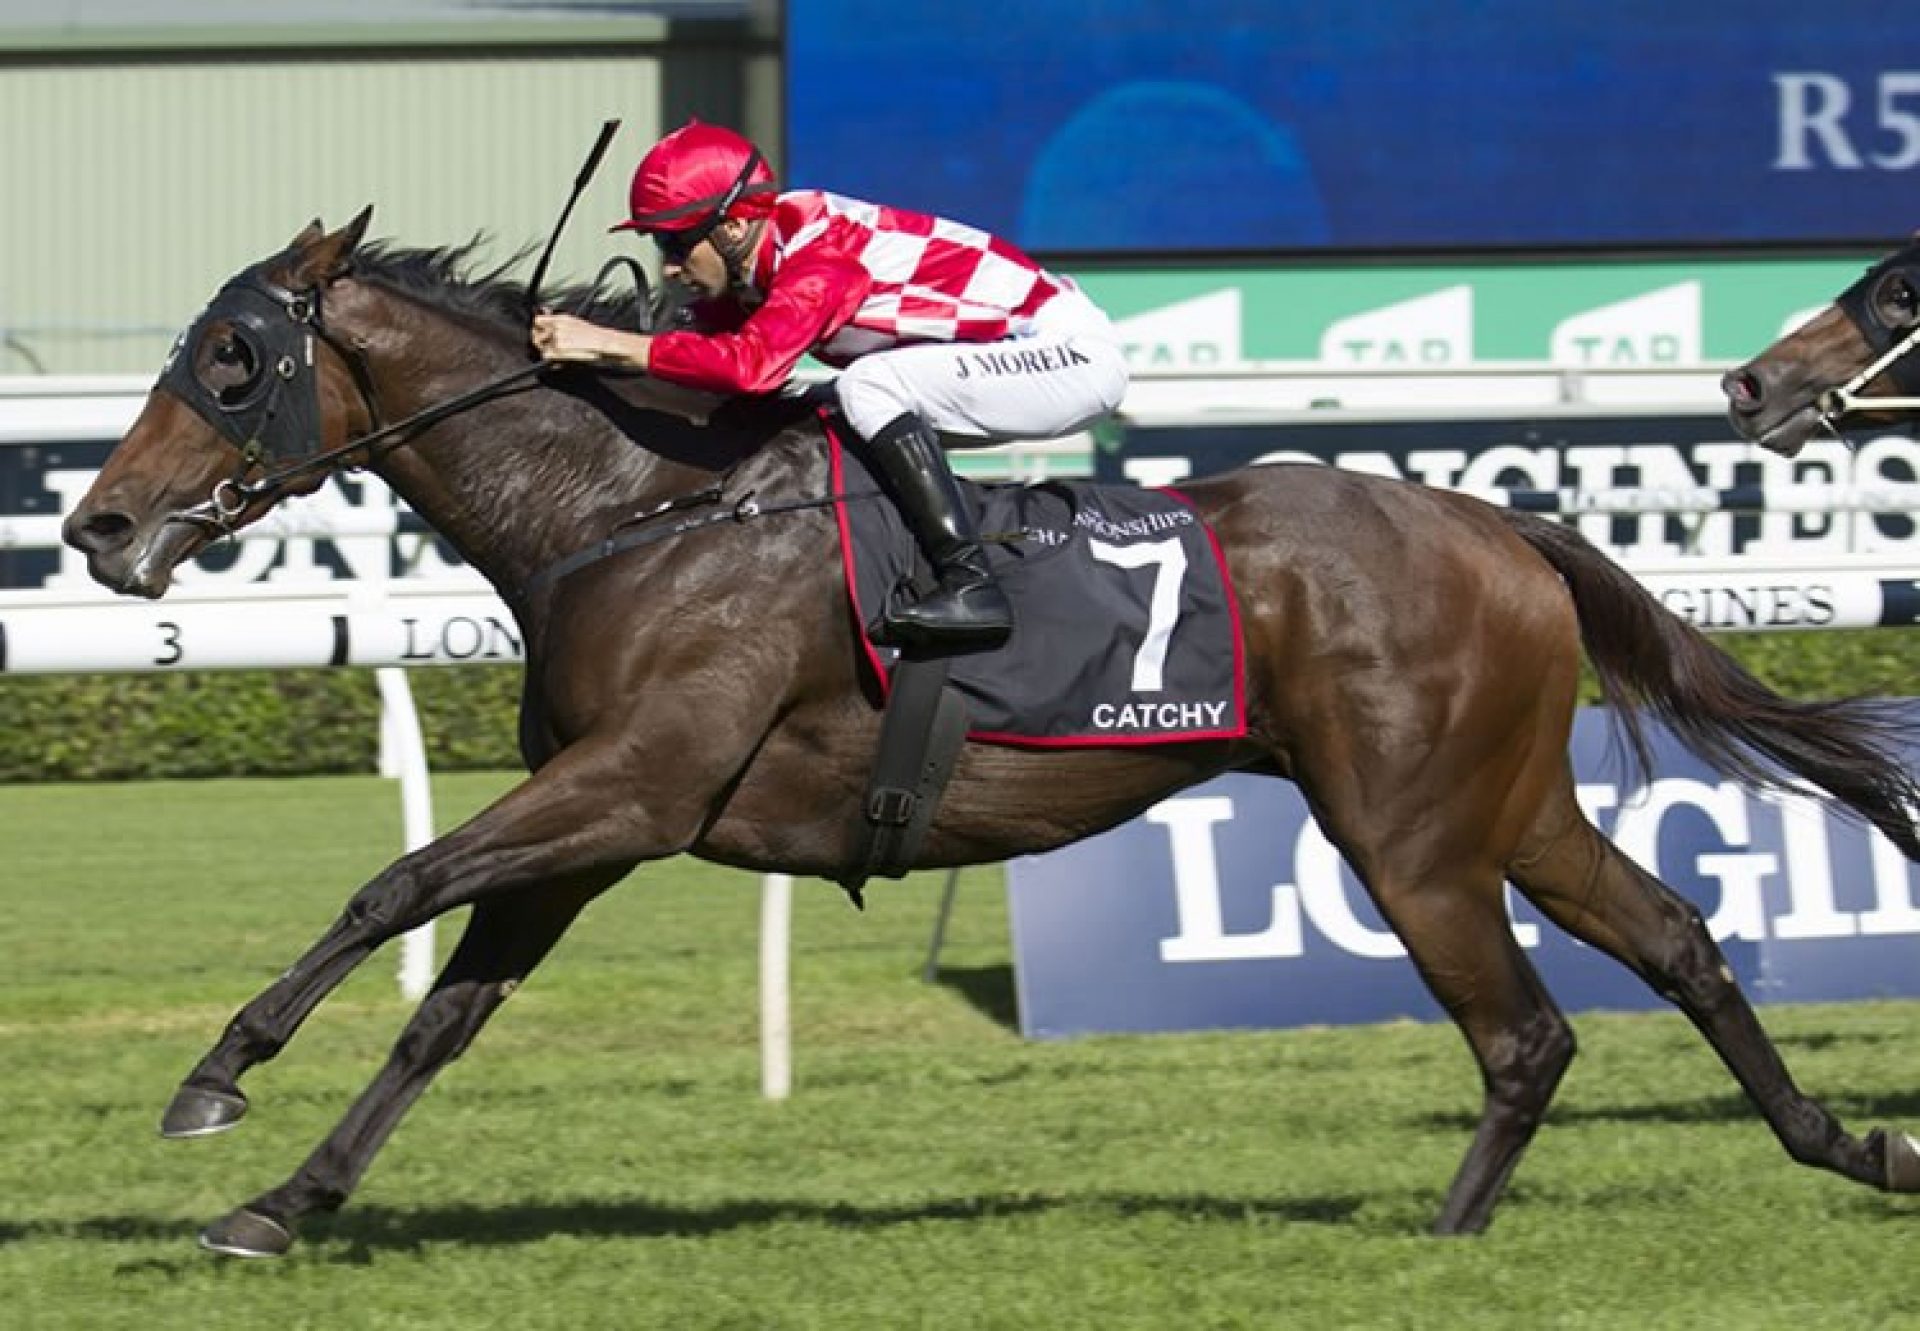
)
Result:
{"points": [[505, 938], [585, 809], [209, 1099]]}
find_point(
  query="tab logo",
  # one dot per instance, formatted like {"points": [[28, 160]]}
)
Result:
{"points": [[1431, 330], [1659, 328], [1198, 334]]}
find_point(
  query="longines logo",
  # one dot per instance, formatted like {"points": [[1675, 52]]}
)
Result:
{"points": [[1758, 897], [1651, 468]]}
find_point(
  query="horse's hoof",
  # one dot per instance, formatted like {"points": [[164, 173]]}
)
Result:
{"points": [[198, 1112], [245, 1233], [1903, 1163]]}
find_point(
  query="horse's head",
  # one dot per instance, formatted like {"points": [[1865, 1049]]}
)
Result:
{"points": [[253, 388], [1856, 359]]}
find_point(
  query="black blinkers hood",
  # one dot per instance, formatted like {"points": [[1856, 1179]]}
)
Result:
{"points": [[1858, 304], [273, 414]]}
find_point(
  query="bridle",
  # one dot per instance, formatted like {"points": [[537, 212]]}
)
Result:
{"points": [[274, 329], [1891, 344], [273, 415]]}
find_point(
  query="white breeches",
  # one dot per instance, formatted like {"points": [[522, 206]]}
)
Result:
{"points": [[1067, 371]]}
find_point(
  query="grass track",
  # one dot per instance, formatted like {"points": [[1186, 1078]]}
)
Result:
{"points": [[602, 1158]]}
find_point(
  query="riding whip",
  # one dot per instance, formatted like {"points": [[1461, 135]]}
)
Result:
{"points": [[592, 164]]}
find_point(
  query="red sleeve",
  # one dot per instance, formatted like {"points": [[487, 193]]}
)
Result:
{"points": [[808, 301]]}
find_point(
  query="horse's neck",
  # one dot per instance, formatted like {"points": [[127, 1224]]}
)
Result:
{"points": [[516, 484], [503, 504]]}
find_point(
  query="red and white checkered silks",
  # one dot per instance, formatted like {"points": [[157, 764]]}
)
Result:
{"points": [[934, 280], [843, 278]]}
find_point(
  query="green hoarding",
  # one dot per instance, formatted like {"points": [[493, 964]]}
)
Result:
{"points": [[1623, 315]]}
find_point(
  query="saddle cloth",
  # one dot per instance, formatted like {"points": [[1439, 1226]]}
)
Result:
{"points": [[1126, 630]]}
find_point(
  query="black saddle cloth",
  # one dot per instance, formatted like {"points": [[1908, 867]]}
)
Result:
{"points": [[1126, 631]]}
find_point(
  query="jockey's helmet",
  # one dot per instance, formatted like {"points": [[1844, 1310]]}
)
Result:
{"points": [[693, 178]]}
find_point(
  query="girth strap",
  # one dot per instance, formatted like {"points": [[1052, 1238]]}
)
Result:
{"points": [[920, 738]]}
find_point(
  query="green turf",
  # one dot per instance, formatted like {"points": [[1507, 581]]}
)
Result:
{"points": [[603, 1158]]}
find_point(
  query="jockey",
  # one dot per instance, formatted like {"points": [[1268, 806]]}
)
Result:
{"points": [[939, 329]]}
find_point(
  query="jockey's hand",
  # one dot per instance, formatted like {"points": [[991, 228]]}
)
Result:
{"points": [[563, 339]]}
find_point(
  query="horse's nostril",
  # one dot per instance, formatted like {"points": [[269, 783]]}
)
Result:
{"points": [[100, 531], [1742, 388]]}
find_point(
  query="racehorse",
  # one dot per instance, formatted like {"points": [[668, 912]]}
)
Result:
{"points": [[1853, 361], [1412, 660]]}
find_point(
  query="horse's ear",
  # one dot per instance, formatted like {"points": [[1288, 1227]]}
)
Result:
{"points": [[355, 231], [309, 236], [322, 256]]}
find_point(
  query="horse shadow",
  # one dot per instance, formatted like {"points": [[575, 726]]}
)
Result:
{"points": [[386, 1228], [1864, 1110], [354, 1235]]}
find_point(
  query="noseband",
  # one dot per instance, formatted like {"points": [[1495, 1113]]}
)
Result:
{"points": [[1892, 345], [272, 418]]}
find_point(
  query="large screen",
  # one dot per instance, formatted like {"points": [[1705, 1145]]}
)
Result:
{"points": [[1084, 126]]}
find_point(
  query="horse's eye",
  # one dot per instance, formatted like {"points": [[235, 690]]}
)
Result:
{"points": [[1900, 296], [233, 369], [1895, 301]]}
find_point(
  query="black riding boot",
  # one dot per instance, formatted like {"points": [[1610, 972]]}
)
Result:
{"points": [[968, 609]]}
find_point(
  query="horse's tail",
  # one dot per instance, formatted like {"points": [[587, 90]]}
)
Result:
{"points": [[1648, 658]]}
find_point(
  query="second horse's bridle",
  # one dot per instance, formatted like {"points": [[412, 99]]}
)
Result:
{"points": [[1893, 345]]}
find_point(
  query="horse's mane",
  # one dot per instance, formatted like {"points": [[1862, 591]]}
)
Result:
{"points": [[451, 278]]}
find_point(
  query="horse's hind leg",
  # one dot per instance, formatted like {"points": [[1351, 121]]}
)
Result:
{"points": [[1456, 932], [1593, 891], [1420, 810], [505, 938]]}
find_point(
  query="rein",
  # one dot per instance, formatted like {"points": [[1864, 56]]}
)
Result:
{"points": [[221, 510], [254, 424]]}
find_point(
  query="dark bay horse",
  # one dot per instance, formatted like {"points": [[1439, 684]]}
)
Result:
{"points": [[1413, 658], [1854, 362]]}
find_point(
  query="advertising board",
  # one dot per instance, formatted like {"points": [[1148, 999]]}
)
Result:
{"points": [[1425, 315], [1226, 907]]}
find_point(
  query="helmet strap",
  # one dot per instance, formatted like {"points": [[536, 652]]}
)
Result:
{"points": [[738, 257]]}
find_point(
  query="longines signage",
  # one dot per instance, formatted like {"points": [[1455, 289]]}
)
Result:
{"points": [[1226, 907]]}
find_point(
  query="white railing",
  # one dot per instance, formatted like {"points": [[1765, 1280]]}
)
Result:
{"points": [[400, 623]]}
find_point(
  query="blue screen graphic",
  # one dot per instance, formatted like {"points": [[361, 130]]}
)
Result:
{"points": [[1264, 125]]}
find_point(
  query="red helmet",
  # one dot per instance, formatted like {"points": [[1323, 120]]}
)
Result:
{"points": [[694, 177]]}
